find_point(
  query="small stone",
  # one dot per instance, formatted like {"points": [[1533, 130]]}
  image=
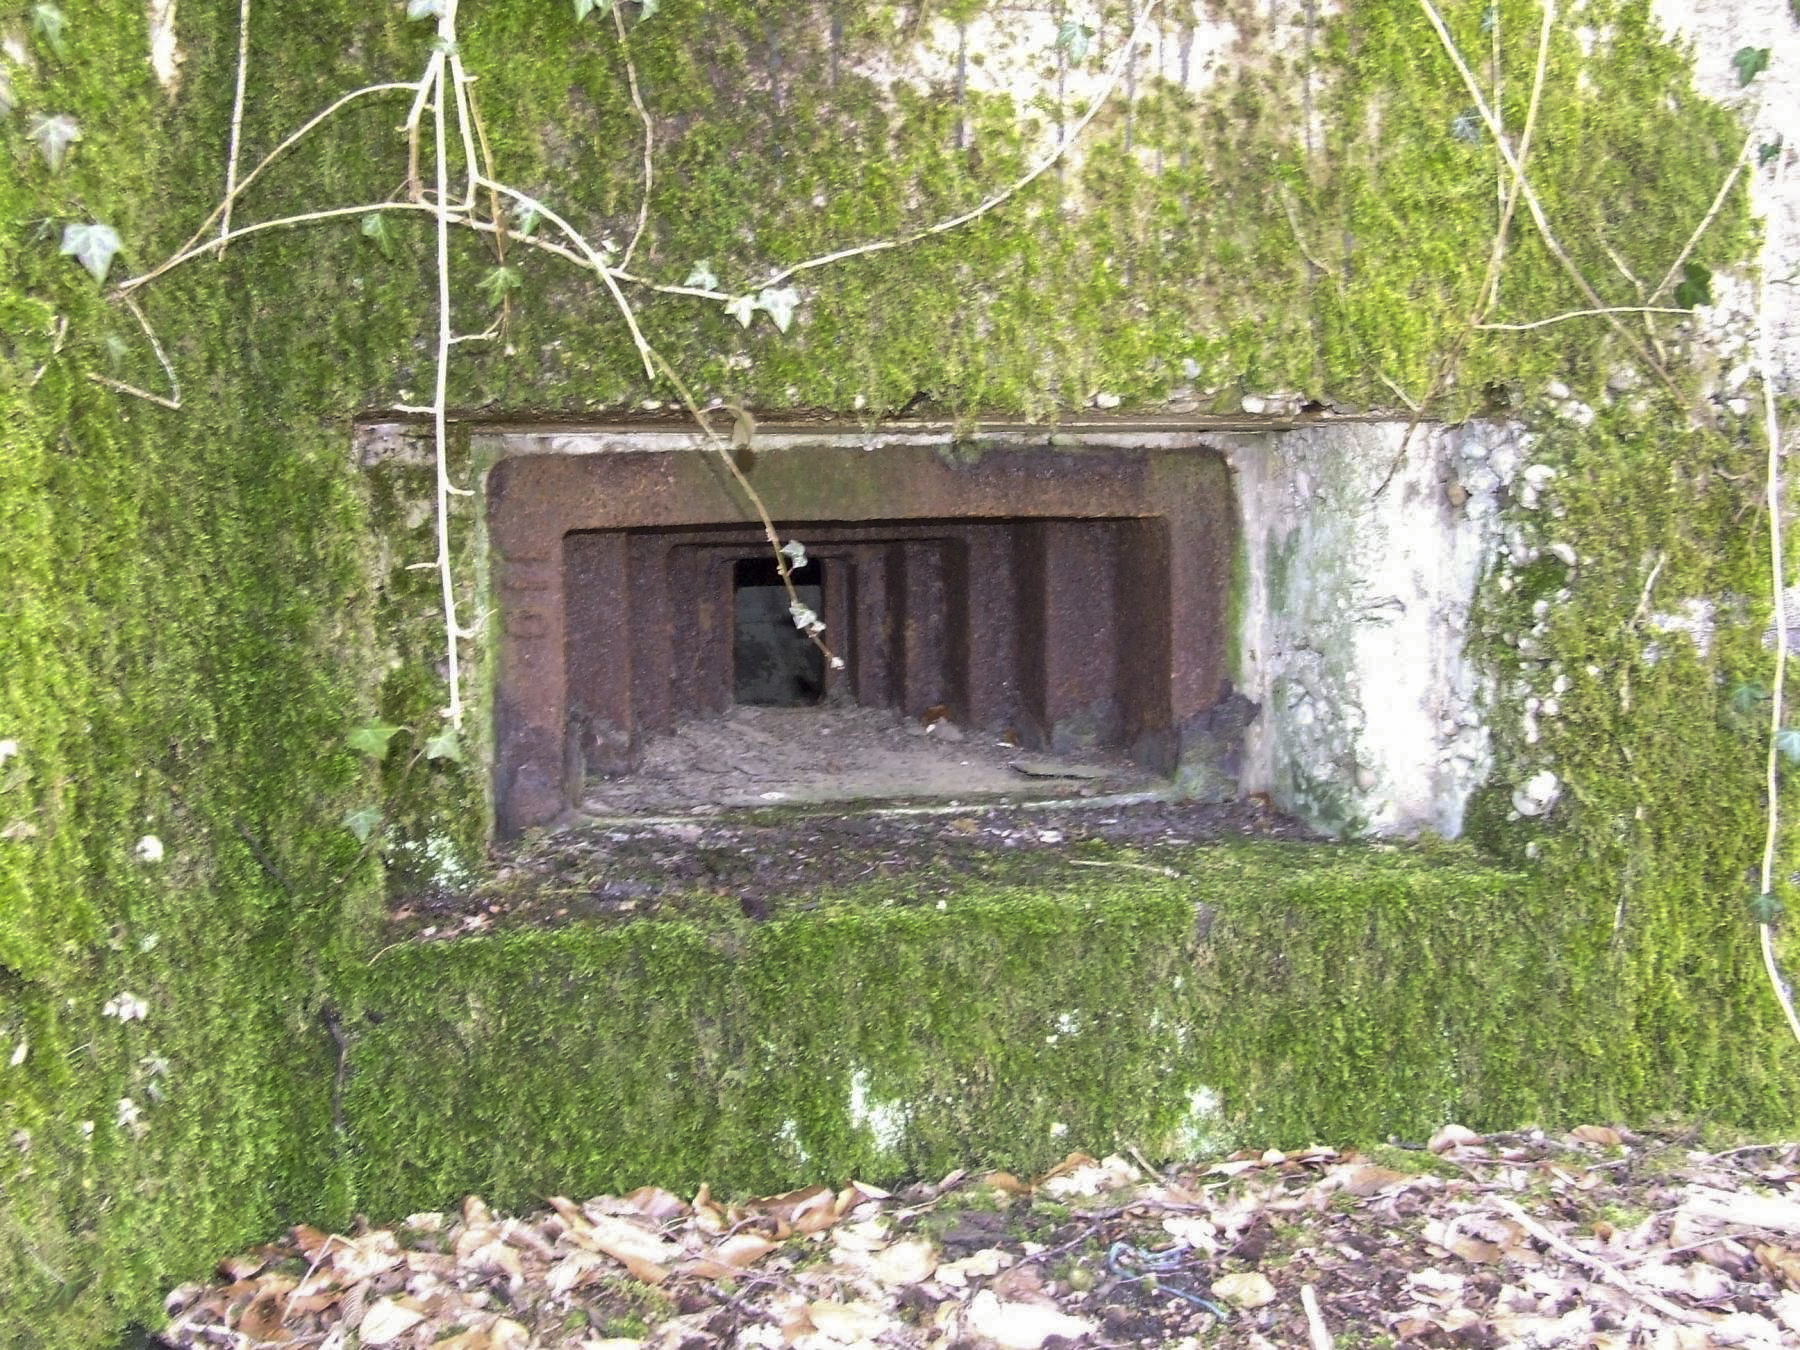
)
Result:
{"points": [[1565, 552], [1255, 406], [1537, 794], [1556, 389]]}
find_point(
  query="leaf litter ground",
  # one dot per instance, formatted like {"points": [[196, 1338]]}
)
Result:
{"points": [[1602, 1237]]}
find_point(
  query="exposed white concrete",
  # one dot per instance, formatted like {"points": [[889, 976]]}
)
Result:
{"points": [[1362, 564], [1770, 106]]}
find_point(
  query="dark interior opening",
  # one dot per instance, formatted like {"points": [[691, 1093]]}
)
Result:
{"points": [[774, 663]]}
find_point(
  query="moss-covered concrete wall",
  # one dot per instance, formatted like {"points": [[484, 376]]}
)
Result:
{"points": [[201, 602]]}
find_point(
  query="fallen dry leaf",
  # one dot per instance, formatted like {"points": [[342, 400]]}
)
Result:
{"points": [[1244, 1289], [906, 1262], [1363, 1178], [848, 1322], [987, 1262], [387, 1321], [1021, 1326], [1454, 1136], [1603, 1135]]}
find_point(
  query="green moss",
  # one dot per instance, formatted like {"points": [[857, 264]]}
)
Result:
{"points": [[201, 603], [1322, 994]]}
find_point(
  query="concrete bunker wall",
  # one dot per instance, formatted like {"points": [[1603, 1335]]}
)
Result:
{"points": [[1280, 611]]}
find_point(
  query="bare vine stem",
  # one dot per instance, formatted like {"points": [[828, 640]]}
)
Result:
{"points": [[188, 250], [1532, 204], [440, 391], [1765, 358], [637, 101], [1120, 65], [1490, 289], [444, 86], [1488, 295], [1579, 314], [237, 118], [1712, 214]]}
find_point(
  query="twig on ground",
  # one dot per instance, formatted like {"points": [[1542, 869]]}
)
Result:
{"points": [[1604, 1269], [1316, 1332]]}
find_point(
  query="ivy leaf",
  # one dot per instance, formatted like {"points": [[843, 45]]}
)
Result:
{"points": [[444, 745], [54, 136], [117, 349], [779, 305], [702, 275], [1749, 63], [424, 9], [796, 552], [372, 739], [499, 281], [1074, 38], [1745, 695], [1787, 743], [585, 7], [48, 22], [743, 309], [375, 226], [1489, 17], [1767, 151], [649, 8], [525, 218], [91, 245], [1467, 127], [362, 822], [1766, 907], [1696, 286]]}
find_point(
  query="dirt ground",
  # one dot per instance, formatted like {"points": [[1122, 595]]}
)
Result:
{"points": [[1597, 1239], [755, 756]]}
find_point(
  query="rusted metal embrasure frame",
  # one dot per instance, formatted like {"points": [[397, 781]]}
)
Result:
{"points": [[1071, 595]]}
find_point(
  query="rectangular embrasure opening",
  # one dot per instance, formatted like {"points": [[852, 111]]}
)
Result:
{"points": [[1050, 622]]}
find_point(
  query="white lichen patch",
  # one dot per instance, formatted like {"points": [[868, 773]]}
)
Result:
{"points": [[165, 52], [1203, 1131], [885, 1121]]}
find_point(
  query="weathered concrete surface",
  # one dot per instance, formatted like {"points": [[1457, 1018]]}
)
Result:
{"points": [[1361, 564]]}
